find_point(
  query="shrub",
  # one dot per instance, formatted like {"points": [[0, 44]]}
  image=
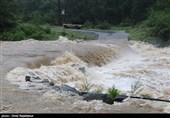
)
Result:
{"points": [[136, 88], [113, 92], [28, 29], [160, 21], [47, 30], [14, 36], [18, 35], [103, 26], [25, 31], [88, 25], [86, 86], [38, 36], [99, 90]]}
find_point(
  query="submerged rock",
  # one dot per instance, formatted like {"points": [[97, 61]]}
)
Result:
{"points": [[66, 88], [82, 69], [90, 96], [56, 88], [96, 96], [27, 78], [51, 83], [120, 98], [45, 81], [31, 74]]}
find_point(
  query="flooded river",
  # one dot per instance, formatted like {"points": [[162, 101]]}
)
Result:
{"points": [[110, 61]]}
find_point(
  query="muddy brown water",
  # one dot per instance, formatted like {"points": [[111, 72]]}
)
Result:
{"points": [[28, 53]]}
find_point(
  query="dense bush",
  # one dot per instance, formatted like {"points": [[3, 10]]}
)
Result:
{"points": [[7, 15], [88, 25], [160, 20], [103, 26], [26, 31]]}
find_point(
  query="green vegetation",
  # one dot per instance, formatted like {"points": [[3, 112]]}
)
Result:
{"points": [[86, 86], [136, 88], [103, 26], [99, 90], [146, 20], [161, 25], [71, 35], [27, 31], [140, 34], [113, 92], [7, 15]]}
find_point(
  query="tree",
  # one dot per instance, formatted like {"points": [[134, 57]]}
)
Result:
{"points": [[159, 19], [7, 15]]}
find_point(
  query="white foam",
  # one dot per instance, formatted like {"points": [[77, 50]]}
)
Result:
{"points": [[149, 65]]}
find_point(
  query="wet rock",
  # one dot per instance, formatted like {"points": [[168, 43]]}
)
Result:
{"points": [[82, 69], [31, 85], [40, 88], [86, 96], [56, 88], [45, 81], [51, 83], [73, 65], [72, 93], [95, 96], [108, 100], [36, 77], [31, 74], [82, 93], [66, 88], [120, 98], [28, 79]]}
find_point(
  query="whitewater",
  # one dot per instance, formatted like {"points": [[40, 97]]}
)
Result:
{"points": [[103, 64]]}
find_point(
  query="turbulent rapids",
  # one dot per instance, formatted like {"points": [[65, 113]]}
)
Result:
{"points": [[103, 64]]}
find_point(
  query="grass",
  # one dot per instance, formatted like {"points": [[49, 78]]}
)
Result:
{"points": [[140, 35], [143, 33], [136, 88], [44, 33], [99, 90], [135, 33], [113, 92], [71, 35], [86, 86], [47, 32]]}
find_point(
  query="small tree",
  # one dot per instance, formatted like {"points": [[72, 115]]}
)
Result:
{"points": [[7, 15]]}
